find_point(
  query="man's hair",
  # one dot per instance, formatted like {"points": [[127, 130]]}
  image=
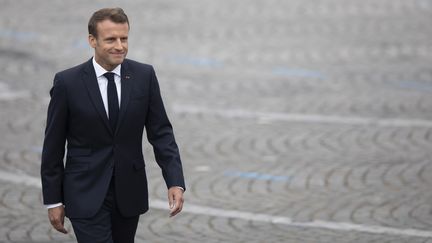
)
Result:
{"points": [[116, 15]]}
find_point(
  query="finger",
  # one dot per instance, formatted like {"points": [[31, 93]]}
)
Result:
{"points": [[62, 230], [59, 226], [177, 209], [173, 206], [171, 200], [174, 212]]}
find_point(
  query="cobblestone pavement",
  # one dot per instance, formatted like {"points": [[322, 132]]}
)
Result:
{"points": [[298, 121]]}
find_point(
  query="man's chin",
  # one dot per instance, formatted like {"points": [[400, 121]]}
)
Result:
{"points": [[117, 61]]}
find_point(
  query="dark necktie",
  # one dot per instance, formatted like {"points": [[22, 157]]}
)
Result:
{"points": [[113, 103]]}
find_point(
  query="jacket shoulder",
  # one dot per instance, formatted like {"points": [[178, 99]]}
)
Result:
{"points": [[138, 66], [71, 73]]}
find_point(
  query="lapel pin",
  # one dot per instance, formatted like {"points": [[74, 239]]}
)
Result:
{"points": [[127, 77]]}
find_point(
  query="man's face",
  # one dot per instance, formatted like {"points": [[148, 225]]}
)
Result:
{"points": [[110, 44]]}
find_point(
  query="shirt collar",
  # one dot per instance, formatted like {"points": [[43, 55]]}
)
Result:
{"points": [[99, 70]]}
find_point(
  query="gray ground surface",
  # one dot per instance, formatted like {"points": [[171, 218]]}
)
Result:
{"points": [[316, 112]]}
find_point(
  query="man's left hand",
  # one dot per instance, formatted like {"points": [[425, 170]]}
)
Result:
{"points": [[175, 197]]}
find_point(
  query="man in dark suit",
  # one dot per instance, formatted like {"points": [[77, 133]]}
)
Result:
{"points": [[100, 109]]}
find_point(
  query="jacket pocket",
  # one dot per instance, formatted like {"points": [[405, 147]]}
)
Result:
{"points": [[76, 152], [73, 167]]}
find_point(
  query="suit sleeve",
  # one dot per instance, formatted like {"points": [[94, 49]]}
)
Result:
{"points": [[160, 135], [52, 166]]}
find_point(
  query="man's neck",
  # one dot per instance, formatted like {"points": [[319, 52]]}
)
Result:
{"points": [[105, 66]]}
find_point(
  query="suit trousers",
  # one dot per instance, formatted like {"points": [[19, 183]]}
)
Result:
{"points": [[108, 225]]}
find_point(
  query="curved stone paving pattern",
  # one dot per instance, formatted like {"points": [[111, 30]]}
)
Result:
{"points": [[313, 111]]}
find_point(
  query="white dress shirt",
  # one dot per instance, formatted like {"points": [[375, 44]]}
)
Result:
{"points": [[103, 82]]}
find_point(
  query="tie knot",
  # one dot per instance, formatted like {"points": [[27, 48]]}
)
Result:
{"points": [[109, 76]]}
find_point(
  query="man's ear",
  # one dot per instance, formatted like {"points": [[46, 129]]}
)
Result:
{"points": [[92, 40]]}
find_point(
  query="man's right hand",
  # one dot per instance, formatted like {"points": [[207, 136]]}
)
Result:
{"points": [[56, 216]]}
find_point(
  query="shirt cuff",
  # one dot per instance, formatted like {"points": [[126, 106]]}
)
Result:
{"points": [[179, 187], [48, 206]]}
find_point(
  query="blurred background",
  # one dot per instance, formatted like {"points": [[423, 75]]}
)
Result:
{"points": [[298, 121]]}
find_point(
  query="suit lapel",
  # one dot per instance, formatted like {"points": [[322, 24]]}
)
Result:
{"points": [[92, 85], [126, 87]]}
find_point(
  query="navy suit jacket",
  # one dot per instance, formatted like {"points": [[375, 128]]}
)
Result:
{"points": [[76, 115]]}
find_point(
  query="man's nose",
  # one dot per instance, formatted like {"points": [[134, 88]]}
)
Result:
{"points": [[118, 45]]}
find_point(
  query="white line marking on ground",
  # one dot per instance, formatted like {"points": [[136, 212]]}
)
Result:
{"points": [[14, 95], [294, 117], [235, 214], [20, 178], [265, 218], [7, 94]]}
